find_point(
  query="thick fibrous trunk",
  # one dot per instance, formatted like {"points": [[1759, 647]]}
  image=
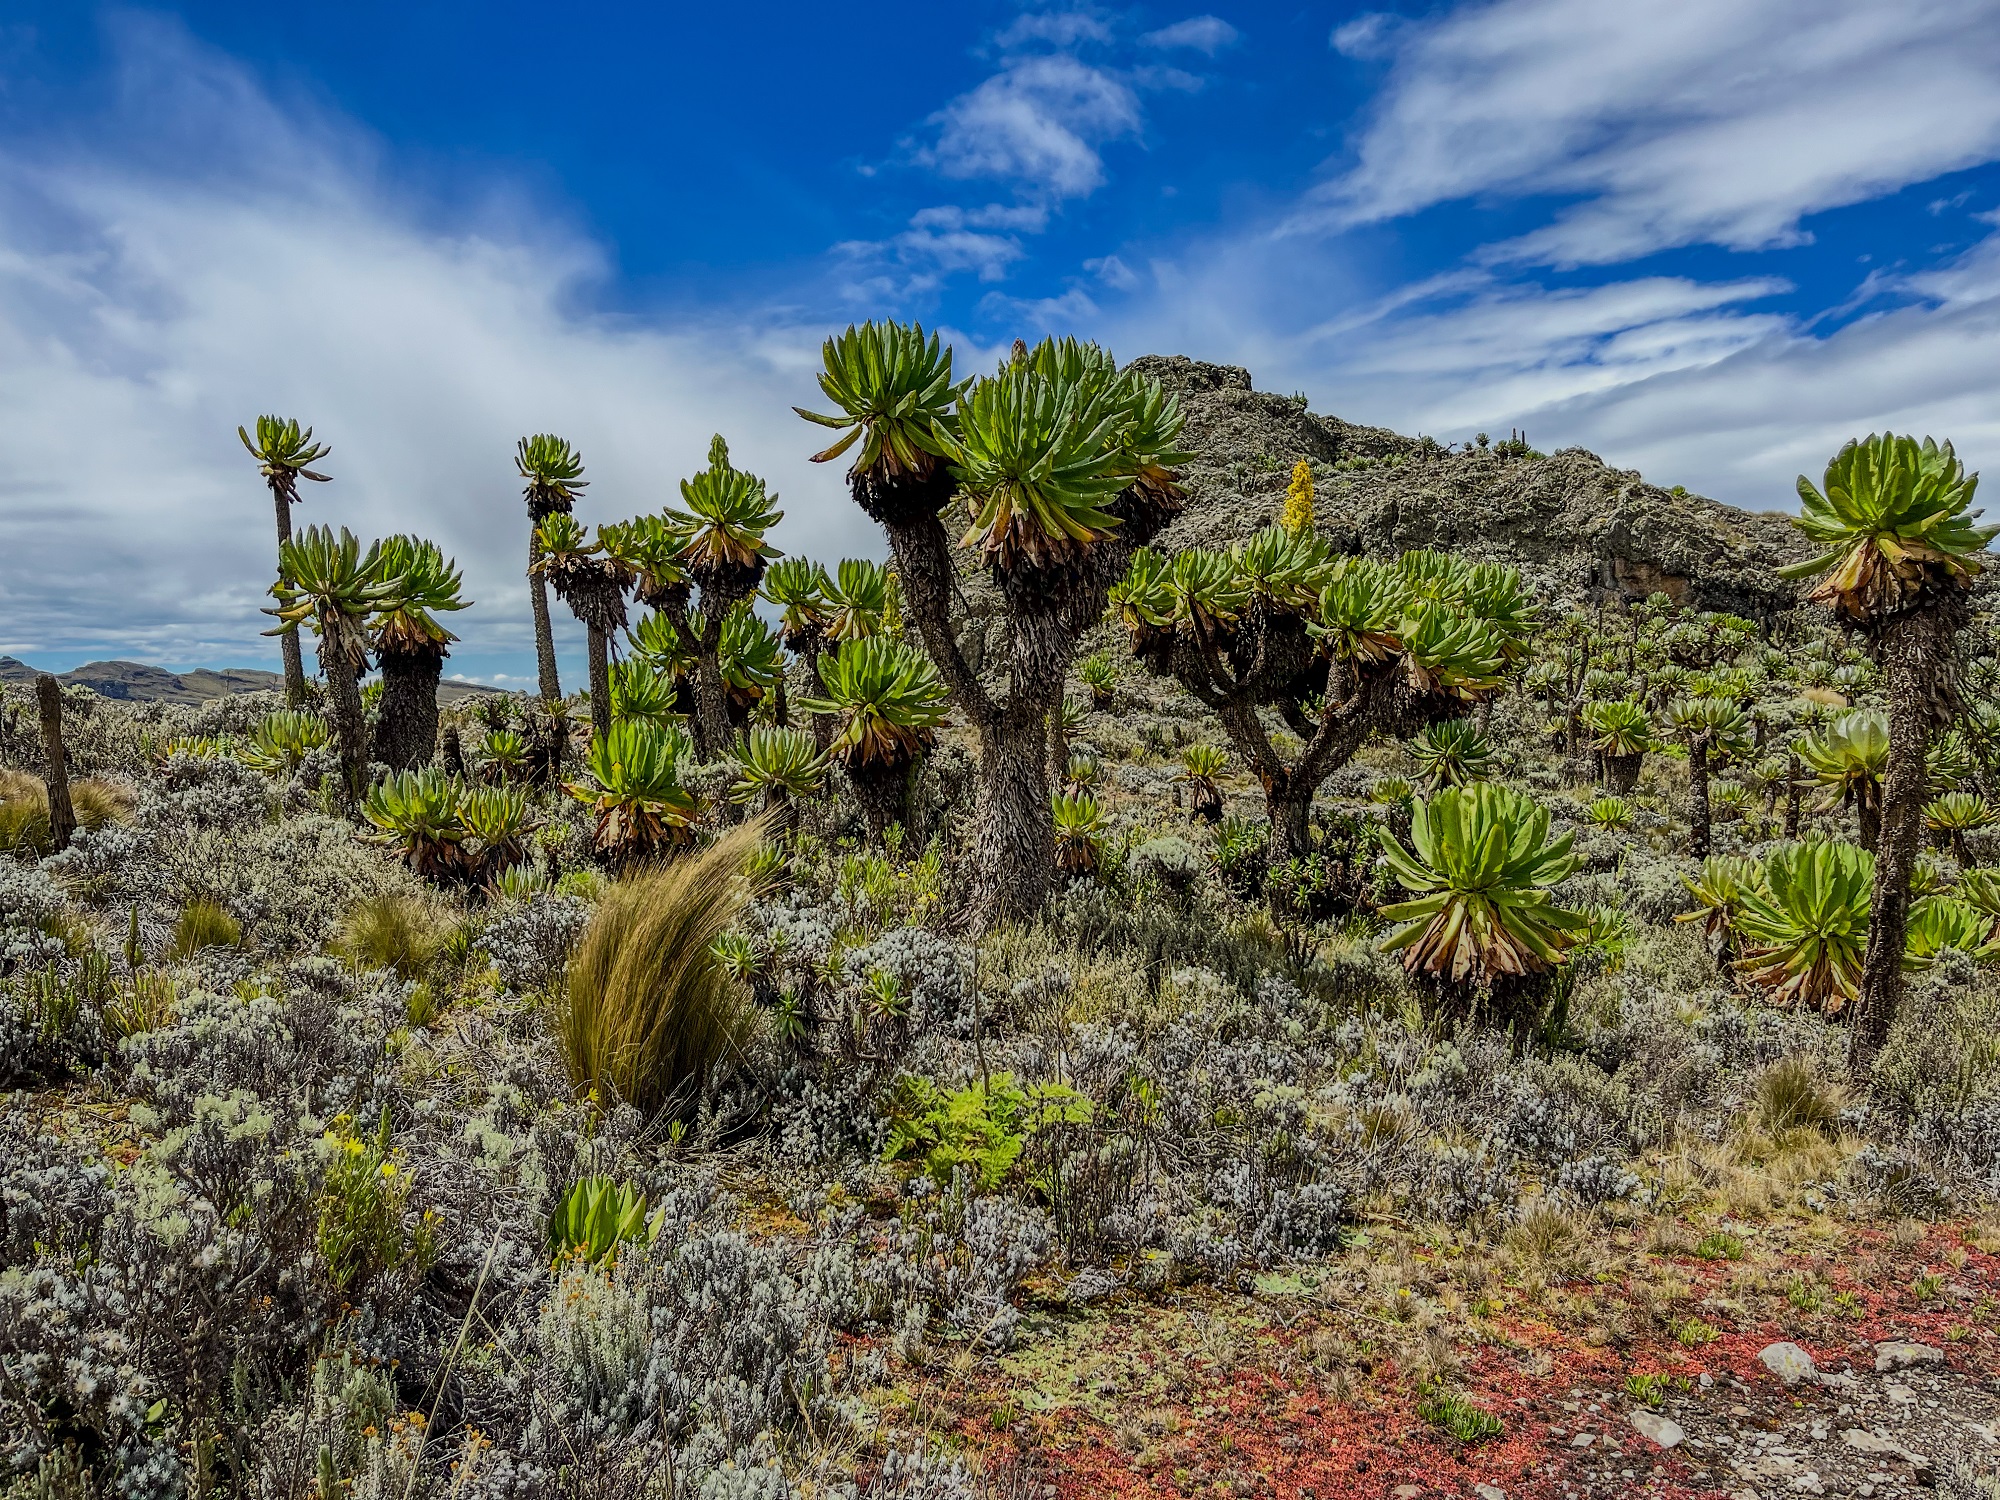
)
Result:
{"points": [[884, 795], [1868, 818], [1699, 818], [288, 643], [719, 595], [1291, 833], [62, 814], [406, 727], [1621, 773], [350, 727], [545, 639], [1914, 653], [711, 704], [1794, 794], [1014, 854], [600, 681], [821, 725]]}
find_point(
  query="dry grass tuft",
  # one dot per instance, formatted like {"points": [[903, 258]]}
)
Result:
{"points": [[397, 930], [650, 1011], [24, 809], [1550, 1239], [1791, 1095]]}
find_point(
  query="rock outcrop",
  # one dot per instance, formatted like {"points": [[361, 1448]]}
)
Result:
{"points": [[1590, 530]]}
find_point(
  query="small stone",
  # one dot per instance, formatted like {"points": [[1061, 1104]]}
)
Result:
{"points": [[1706, 1380], [1863, 1441], [1406, 1492], [1788, 1362], [1664, 1431], [1897, 1355], [1583, 1440], [1489, 1492]]}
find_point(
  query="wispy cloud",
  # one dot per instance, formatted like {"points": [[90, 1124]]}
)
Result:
{"points": [[1719, 121], [144, 314], [1206, 34], [1063, 28]]}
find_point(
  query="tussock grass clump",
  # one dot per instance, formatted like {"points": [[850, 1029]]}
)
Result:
{"points": [[398, 931], [1548, 1238], [651, 1011], [24, 809], [1791, 1095], [203, 924]]}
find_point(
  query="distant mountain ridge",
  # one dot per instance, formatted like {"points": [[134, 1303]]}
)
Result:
{"points": [[137, 682]]}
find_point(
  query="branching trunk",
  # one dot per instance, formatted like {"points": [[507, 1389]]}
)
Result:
{"points": [[62, 814], [288, 643], [1047, 612], [406, 728], [1353, 708], [1913, 652]]}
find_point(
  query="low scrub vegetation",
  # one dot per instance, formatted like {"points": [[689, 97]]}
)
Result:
{"points": [[1345, 971]]}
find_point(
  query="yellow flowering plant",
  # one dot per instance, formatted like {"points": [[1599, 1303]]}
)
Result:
{"points": [[362, 1203], [1298, 512]]}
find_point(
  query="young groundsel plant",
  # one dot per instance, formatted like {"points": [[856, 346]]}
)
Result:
{"points": [[1479, 869]]}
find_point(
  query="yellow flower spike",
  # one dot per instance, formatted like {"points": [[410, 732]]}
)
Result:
{"points": [[1298, 513]]}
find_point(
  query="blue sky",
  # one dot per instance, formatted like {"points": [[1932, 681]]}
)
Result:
{"points": [[1707, 239]]}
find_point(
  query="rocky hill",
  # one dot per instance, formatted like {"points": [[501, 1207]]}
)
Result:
{"points": [[1587, 528]]}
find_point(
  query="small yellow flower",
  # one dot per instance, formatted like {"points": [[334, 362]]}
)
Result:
{"points": [[388, 1169]]}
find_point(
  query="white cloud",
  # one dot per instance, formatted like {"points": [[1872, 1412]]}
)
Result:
{"points": [[1061, 29], [1037, 123], [143, 316], [1742, 428], [1208, 34], [1059, 314], [1718, 121], [939, 244], [1691, 384], [1113, 272], [1367, 36]]}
